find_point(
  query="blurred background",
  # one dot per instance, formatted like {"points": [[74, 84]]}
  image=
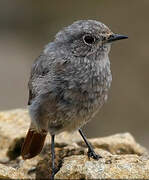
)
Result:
{"points": [[27, 26]]}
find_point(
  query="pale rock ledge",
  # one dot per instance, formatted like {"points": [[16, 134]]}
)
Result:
{"points": [[122, 157]]}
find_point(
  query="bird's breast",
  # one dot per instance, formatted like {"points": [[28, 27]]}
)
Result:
{"points": [[88, 88], [97, 84], [87, 93]]}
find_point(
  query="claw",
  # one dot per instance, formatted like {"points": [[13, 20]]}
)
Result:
{"points": [[92, 154]]}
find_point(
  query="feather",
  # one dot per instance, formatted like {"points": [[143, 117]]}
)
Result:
{"points": [[33, 143]]}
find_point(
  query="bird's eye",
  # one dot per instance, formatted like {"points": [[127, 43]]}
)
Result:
{"points": [[88, 39]]}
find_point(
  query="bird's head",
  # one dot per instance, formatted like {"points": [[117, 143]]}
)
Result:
{"points": [[87, 37]]}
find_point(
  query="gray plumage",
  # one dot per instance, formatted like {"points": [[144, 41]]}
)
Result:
{"points": [[70, 80], [69, 83]]}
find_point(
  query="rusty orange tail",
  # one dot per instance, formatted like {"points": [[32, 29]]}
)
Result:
{"points": [[33, 143]]}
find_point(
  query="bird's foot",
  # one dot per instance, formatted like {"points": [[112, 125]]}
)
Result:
{"points": [[91, 154], [54, 171], [52, 176]]}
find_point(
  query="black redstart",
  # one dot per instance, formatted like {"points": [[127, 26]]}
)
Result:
{"points": [[69, 83]]}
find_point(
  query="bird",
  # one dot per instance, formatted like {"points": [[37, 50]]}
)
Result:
{"points": [[68, 84]]}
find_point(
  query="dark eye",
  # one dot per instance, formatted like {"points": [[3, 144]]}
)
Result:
{"points": [[89, 39]]}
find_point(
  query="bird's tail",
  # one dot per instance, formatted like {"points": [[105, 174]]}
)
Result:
{"points": [[33, 143]]}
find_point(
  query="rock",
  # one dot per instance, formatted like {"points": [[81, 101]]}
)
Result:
{"points": [[117, 144], [109, 167], [14, 149], [43, 167], [121, 158], [10, 173]]}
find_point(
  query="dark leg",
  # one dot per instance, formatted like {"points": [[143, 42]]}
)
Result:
{"points": [[91, 153], [53, 156]]}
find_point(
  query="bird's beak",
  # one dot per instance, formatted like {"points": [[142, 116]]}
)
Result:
{"points": [[115, 37]]}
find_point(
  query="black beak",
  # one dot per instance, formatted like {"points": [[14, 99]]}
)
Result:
{"points": [[115, 37]]}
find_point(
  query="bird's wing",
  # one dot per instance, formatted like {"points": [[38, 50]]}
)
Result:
{"points": [[39, 68], [45, 65]]}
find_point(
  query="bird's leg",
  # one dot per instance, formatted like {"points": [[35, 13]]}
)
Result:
{"points": [[53, 156], [91, 153]]}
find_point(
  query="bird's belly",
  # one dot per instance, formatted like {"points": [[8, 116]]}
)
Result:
{"points": [[86, 111], [74, 115], [82, 101]]}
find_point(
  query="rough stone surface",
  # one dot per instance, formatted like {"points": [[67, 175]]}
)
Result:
{"points": [[121, 158], [10, 173], [113, 167]]}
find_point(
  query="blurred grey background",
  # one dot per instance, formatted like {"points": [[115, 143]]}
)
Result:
{"points": [[27, 26]]}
